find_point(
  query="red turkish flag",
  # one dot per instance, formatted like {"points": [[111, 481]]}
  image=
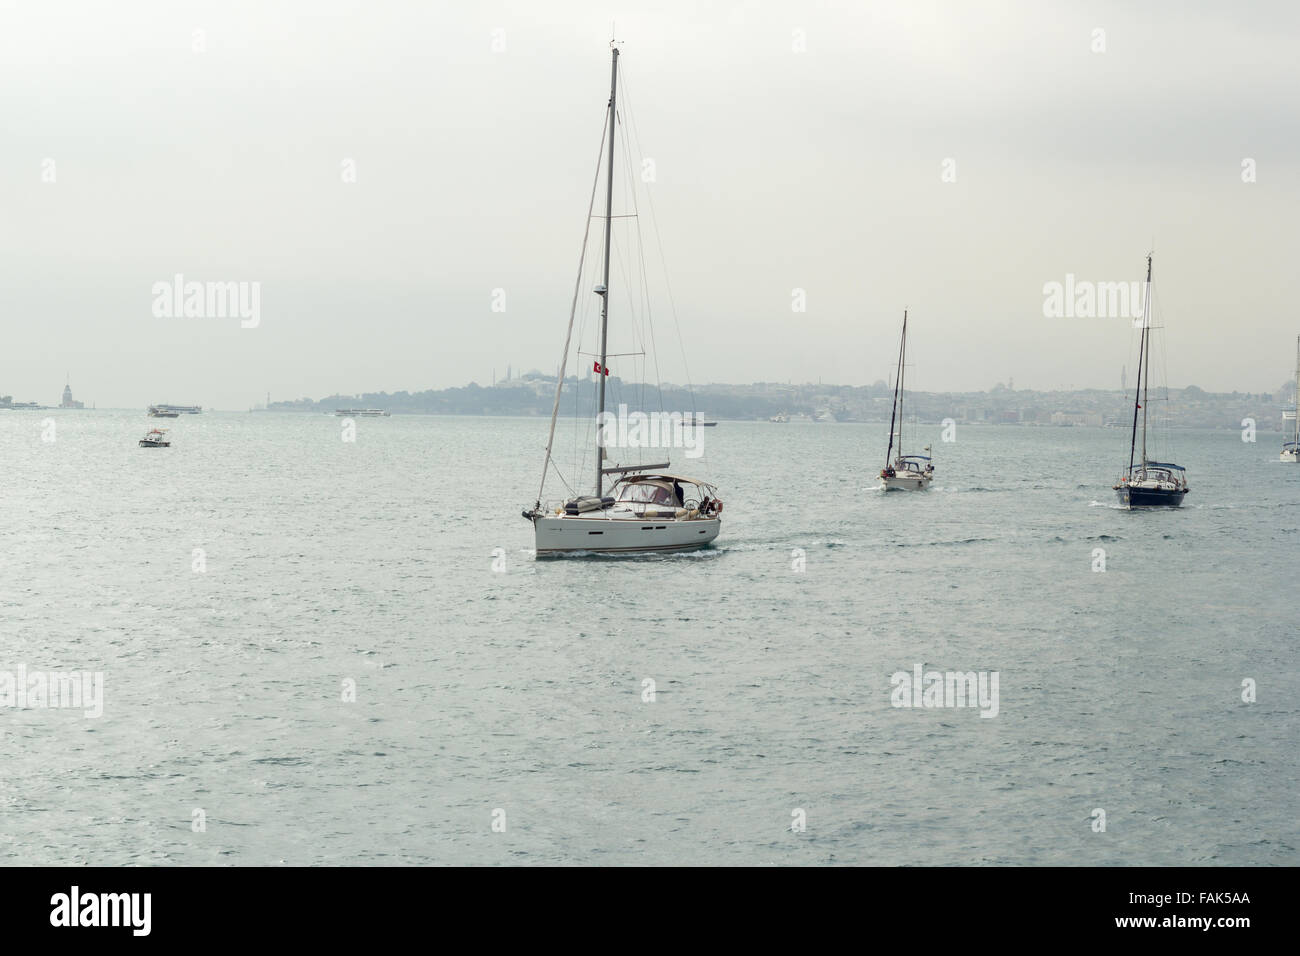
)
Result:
{"points": [[595, 367]]}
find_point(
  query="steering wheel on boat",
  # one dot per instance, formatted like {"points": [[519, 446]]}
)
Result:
{"points": [[691, 503]]}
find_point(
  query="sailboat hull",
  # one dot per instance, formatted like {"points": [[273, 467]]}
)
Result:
{"points": [[907, 483], [1134, 497], [557, 535]]}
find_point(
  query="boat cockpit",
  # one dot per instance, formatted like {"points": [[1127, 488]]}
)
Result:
{"points": [[1158, 474], [665, 496], [911, 465]]}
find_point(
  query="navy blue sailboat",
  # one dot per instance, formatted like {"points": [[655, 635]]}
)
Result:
{"points": [[1148, 483]]}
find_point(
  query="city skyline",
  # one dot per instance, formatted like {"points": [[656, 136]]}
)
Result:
{"points": [[1283, 393], [1284, 387]]}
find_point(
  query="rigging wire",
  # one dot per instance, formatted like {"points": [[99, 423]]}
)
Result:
{"points": [[663, 261], [1166, 445], [573, 308], [647, 333], [629, 260]]}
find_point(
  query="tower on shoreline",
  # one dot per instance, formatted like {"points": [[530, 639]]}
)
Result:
{"points": [[67, 398]]}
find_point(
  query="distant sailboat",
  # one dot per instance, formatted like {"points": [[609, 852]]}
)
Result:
{"points": [[1291, 449], [906, 472], [647, 507], [1148, 483]]}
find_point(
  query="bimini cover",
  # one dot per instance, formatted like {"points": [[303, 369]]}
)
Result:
{"points": [[650, 491]]}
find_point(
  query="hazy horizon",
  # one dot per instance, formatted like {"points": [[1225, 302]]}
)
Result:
{"points": [[794, 148], [567, 410]]}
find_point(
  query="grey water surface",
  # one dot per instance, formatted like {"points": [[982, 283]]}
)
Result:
{"points": [[494, 688]]}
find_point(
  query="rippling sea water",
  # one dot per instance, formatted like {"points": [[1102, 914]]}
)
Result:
{"points": [[521, 690]]}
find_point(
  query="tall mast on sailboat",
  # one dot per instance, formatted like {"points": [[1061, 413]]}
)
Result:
{"points": [[603, 372], [902, 387], [1296, 437], [1138, 398], [1146, 375], [894, 409]]}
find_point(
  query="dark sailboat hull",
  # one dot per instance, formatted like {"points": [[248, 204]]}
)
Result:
{"points": [[1131, 497]]}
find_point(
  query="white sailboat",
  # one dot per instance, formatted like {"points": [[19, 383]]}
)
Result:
{"points": [[1291, 449], [646, 508], [906, 472]]}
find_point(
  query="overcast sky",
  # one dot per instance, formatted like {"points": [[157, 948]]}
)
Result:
{"points": [[776, 168]]}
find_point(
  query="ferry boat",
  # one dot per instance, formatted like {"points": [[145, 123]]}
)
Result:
{"points": [[361, 413]]}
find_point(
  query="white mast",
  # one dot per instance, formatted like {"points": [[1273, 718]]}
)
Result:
{"points": [[1138, 397], [895, 410], [1146, 375], [603, 291], [902, 376]]}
